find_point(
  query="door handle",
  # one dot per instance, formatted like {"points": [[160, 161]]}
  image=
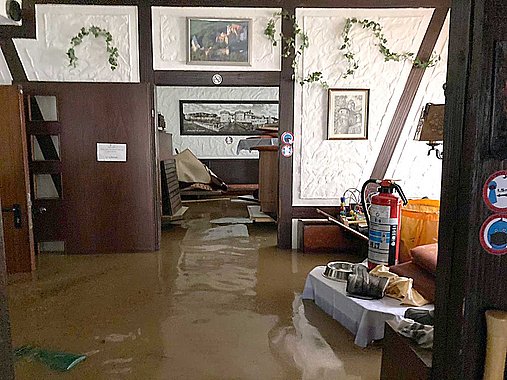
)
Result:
{"points": [[38, 210], [16, 210]]}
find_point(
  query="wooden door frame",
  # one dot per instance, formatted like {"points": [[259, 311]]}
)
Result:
{"points": [[20, 249], [469, 280], [6, 358], [450, 270]]}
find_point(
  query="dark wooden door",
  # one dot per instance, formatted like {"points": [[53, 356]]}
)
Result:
{"points": [[6, 362], [97, 206], [14, 183], [470, 280]]}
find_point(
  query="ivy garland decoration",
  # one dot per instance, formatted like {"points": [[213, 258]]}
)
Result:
{"points": [[376, 29], [353, 63], [96, 32], [295, 45]]}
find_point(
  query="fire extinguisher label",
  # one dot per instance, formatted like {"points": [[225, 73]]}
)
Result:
{"points": [[382, 235], [379, 213]]}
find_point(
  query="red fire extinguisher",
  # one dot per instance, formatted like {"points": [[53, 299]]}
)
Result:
{"points": [[384, 222]]}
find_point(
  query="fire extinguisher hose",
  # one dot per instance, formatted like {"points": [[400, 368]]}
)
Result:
{"points": [[363, 199]]}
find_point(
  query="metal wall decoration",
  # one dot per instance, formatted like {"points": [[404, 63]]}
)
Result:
{"points": [[347, 114], [219, 41], [431, 123], [226, 117]]}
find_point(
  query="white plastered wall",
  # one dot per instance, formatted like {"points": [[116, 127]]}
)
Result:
{"points": [[324, 169], [45, 59], [170, 37], [207, 146], [5, 74], [421, 174]]}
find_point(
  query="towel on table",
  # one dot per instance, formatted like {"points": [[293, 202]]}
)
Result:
{"points": [[400, 288]]}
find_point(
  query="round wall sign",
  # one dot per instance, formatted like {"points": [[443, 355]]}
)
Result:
{"points": [[286, 150], [493, 235], [287, 138], [217, 79], [494, 191]]}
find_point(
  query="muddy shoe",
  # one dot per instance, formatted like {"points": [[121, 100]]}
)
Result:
{"points": [[424, 317], [361, 284]]}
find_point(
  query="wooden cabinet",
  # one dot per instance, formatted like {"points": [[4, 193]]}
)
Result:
{"points": [[234, 171], [403, 359], [323, 236], [268, 178]]}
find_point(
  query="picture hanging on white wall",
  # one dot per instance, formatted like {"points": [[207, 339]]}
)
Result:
{"points": [[219, 41], [227, 117], [347, 114]]}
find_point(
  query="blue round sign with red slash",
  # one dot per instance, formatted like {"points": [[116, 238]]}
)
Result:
{"points": [[494, 191], [287, 138], [493, 234]]}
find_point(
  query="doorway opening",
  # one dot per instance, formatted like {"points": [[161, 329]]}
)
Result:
{"points": [[210, 136]]}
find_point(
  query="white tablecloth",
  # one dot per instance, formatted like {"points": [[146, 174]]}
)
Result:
{"points": [[364, 318]]}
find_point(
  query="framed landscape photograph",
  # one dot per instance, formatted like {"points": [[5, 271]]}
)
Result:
{"points": [[347, 114], [226, 117], [219, 41]]}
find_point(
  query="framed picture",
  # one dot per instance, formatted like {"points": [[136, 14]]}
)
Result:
{"points": [[219, 41], [347, 114], [226, 117]]}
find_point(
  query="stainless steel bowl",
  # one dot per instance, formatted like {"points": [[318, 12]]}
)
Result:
{"points": [[338, 270]]}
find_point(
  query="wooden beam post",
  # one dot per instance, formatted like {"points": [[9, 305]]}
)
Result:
{"points": [[13, 61], [469, 280], [409, 93], [286, 96]]}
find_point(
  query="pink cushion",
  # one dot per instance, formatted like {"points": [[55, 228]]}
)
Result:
{"points": [[424, 282], [426, 257]]}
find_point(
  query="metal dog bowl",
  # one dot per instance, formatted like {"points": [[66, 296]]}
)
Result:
{"points": [[338, 270]]}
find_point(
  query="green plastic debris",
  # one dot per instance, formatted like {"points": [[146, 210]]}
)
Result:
{"points": [[58, 361]]}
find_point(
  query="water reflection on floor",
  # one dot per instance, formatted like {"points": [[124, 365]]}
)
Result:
{"points": [[216, 302]]}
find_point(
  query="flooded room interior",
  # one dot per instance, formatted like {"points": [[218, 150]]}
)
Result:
{"points": [[253, 190]]}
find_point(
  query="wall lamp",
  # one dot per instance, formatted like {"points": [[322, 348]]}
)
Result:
{"points": [[431, 127]]}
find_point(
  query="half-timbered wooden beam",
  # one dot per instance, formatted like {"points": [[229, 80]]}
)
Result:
{"points": [[13, 62], [409, 92]]}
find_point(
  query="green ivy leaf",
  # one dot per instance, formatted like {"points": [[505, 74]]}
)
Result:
{"points": [[376, 29], [96, 32], [293, 46]]}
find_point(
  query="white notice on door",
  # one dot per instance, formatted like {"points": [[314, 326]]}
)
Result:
{"points": [[112, 152]]}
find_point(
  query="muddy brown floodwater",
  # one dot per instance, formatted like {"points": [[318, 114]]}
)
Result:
{"points": [[218, 301]]}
